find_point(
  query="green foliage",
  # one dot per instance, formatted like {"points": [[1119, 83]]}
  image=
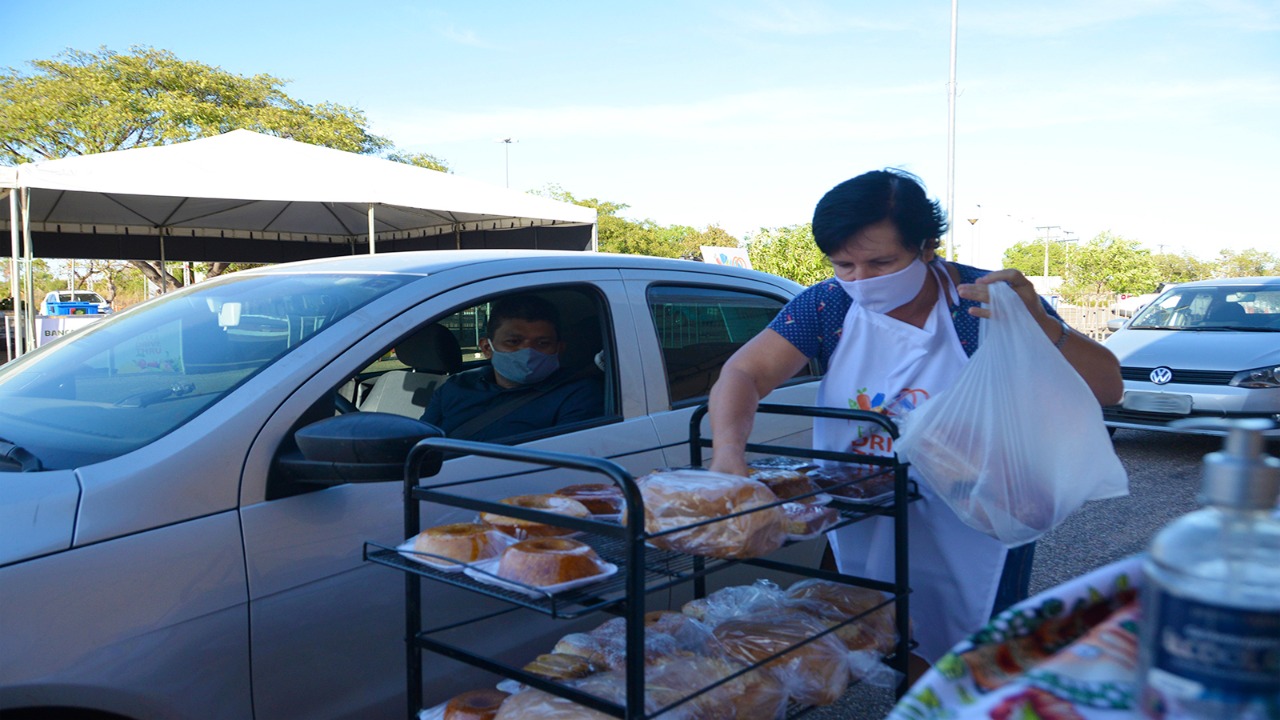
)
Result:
{"points": [[80, 103], [1246, 263], [422, 160], [789, 252], [1181, 268], [617, 234]]}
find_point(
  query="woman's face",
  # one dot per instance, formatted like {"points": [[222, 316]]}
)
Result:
{"points": [[874, 251]]}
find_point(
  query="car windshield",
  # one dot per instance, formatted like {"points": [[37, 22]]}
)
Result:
{"points": [[1246, 308], [133, 377]]}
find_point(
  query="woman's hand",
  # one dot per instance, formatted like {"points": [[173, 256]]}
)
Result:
{"points": [[980, 291], [1095, 363]]}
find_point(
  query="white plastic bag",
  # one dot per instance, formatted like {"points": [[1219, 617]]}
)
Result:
{"points": [[1018, 443]]}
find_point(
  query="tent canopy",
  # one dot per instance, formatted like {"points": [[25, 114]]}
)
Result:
{"points": [[249, 197]]}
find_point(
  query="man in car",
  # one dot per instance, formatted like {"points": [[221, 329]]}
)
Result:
{"points": [[523, 389]]}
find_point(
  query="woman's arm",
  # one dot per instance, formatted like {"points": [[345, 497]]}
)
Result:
{"points": [[1095, 364], [764, 363]]}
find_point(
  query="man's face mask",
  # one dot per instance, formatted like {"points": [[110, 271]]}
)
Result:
{"points": [[525, 366]]}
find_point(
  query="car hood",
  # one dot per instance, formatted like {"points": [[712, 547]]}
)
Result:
{"points": [[1195, 349]]}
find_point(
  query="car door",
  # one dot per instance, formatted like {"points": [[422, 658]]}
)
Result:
{"points": [[689, 324], [327, 628]]}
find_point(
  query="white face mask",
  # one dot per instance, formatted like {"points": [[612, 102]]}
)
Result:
{"points": [[887, 292]]}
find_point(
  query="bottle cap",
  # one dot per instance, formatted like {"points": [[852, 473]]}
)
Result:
{"points": [[1240, 475]]}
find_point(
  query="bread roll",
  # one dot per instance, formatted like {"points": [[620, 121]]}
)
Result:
{"points": [[475, 705], [678, 498], [546, 561], [521, 529]]}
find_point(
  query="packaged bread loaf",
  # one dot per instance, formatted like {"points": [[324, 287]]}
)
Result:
{"points": [[813, 673], [736, 600], [757, 695], [837, 602], [678, 498]]}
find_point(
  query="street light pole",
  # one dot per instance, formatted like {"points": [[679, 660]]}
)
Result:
{"points": [[1046, 229], [951, 139], [506, 151]]}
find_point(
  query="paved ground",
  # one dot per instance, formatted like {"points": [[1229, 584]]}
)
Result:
{"points": [[1164, 477]]}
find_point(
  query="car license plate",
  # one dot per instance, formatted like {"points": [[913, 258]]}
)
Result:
{"points": [[1152, 402]]}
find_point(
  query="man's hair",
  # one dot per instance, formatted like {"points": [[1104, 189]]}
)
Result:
{"points": [[867, 199], [530, 308]]}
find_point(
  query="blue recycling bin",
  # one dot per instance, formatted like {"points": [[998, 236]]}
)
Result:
{"points": [[73, 308]]}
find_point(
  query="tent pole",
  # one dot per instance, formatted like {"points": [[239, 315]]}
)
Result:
{"points": [[29, 327], [15, 287], [371, 233], [164, 275]]}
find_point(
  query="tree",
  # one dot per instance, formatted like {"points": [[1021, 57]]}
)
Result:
{"points": [[789, 252], [617, 234], [1111, 264], [1181, 268], [422, 160], [1246, 263], [81, 102]]}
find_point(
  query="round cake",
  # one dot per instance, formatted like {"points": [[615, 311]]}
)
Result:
{"points": [[599, 498], [549, 561], [518, 528], [464, 542], [475, 705]]}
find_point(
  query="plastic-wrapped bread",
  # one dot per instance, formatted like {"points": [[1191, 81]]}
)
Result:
{"points": [[736, 600], [677, 498], [756, 695], [816, 673], [537, 705], [856, 482], [837, 602]]}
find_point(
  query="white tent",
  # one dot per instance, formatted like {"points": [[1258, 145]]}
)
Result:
{"points": [[248, 197]]}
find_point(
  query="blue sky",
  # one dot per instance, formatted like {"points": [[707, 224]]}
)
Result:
{"points": [[1156, 120]]}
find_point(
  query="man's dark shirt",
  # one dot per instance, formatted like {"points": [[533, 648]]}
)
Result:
{"points": [[471, 393]]}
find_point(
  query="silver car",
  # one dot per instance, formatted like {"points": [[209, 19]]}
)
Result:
{"points": [[1201, 349], [164, 552]]}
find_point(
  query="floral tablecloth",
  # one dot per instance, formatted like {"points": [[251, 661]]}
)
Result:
{"points": [[1067, 653]]}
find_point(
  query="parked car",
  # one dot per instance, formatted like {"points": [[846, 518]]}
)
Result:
{"points": [[161, 553], [1201, 349], [75, 296]]}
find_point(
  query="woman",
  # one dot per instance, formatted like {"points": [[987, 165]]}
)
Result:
{"points": [[894, 327]]}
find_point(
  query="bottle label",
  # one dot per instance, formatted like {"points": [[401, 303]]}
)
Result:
{"points": [[1203, 652]]}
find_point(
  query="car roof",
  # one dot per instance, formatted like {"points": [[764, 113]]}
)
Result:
{"points": [[427, 262], [1228, 282]]}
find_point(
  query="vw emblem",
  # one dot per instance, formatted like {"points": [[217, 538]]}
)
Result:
{"points": [[1161, 375]]}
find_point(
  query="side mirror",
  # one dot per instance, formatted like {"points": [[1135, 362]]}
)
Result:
{"points": [[357, 447], [1116, 323]]}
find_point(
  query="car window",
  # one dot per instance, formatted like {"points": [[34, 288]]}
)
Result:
{"points": [[699, 328], [1213, 308], [133, 377], [404, 378]]}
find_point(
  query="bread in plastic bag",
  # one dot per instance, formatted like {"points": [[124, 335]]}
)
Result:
{"points": [[837, 602], [736, 600], [815, 673], [1017, 443], [755, 695], [677, 498]]}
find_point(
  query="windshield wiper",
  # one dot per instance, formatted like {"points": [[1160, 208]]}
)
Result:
{"points": [[149, 397], [1252, 329], [11, 454]]}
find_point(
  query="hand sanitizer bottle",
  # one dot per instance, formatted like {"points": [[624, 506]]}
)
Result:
{"points": [[1211, 594]]}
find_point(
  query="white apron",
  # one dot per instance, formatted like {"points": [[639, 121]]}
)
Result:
{"points": [[889, 366]]}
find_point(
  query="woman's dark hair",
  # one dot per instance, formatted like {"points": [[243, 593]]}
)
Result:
{"points": [[531, 308], [891, 194]]}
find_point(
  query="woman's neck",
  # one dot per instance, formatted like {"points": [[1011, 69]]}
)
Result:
{"points": [[916, 311]]}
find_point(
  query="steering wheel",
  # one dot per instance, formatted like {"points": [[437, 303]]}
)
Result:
{"points": [[343, 405]]}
